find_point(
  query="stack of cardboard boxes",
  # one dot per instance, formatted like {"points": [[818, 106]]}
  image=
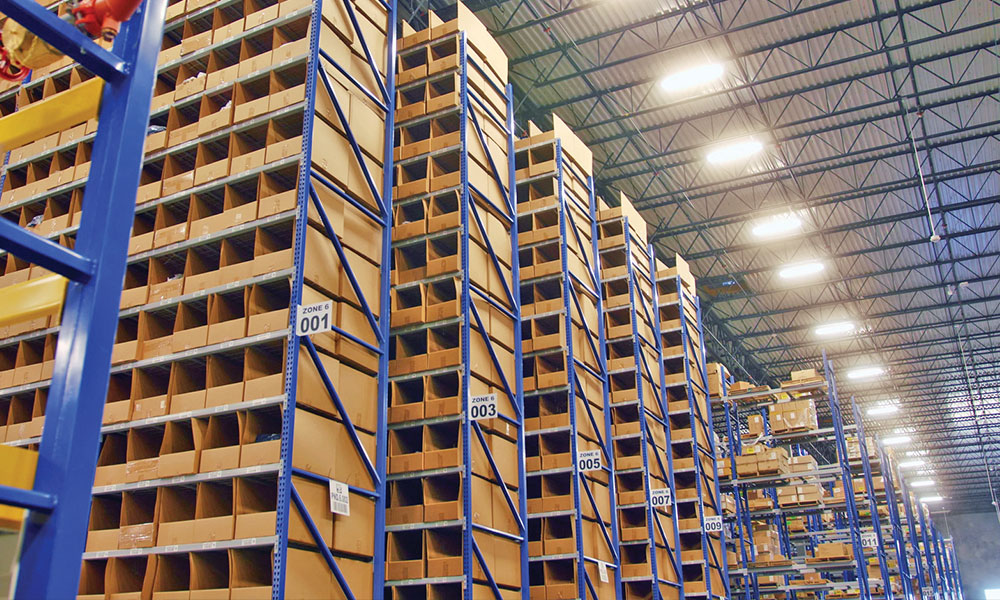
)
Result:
{"points": [[767, 543], [199, 414], [648, 536], [564, 392], [454, 401], [692, 438]]}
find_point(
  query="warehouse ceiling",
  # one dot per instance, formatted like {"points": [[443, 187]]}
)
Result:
{"points": [[879, 123]]}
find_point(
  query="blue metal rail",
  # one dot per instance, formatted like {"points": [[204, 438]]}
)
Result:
{"points": [[642, 307], [310, 180], [695, 386], [56, 529], [853, 523], [898, 537], [872, 502]]}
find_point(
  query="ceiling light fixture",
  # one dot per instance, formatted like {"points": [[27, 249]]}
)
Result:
{"points": [[693, 77], [896, 440], [777, 226], [922, 483], [882, 410], [909, 464], [865, 372], [801, 270], [835, 328], [733, 152], [931, 499]]}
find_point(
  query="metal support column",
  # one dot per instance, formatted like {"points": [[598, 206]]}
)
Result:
{"points": [[56, 529]]}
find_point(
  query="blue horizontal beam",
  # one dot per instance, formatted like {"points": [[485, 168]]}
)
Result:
{"points": [[64, 37], [45, 253], [30, 499]]}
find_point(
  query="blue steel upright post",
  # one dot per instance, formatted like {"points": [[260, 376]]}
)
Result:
{"points": [[872, 501], [312, 184], [56, 529], [846, 475], [898, 538]]}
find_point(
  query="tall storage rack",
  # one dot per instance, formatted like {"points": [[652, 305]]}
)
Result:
{"points": [[457, 511], [93, 261], [684, 376], [572, 524], [875, 486], [650, 561], [764, 513], [265, 187]]}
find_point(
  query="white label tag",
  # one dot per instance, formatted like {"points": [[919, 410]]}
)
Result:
{"points": [[313, 318], [927, 593], [660, 498], [602, 571], [589, 460], [869, 539], [713, 524], [340, 499], [483, 407]]}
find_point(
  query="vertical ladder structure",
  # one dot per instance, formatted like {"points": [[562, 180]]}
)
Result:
{"points": [[573, 532], [912, 531], [692, 435], [55, 532], [885, 588], [643, 469], [244, 425], [457, 509]]}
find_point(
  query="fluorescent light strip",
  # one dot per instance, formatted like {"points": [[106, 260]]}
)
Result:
{"points": [[865, 372], [839, 328], [693, 77], [734, 152], [777, 226], [801, 270]]}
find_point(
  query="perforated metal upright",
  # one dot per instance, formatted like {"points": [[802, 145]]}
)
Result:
{"points": [[457, 172], [687, 386], [316, 195], [873, 505], [650, 567], [566, 390], [887, 468], [56, 528], [912, 528], [853, 519]]}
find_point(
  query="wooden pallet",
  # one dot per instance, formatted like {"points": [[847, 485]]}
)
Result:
{"points": [[771, 563], [823, 559]]}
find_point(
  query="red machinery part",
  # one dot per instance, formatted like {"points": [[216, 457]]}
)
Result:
{"points": [[103, 17], [9, 71]]}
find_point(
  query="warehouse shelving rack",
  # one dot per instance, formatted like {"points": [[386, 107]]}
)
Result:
{"points": [[920, 574], [575, 293], [708, 497], [846, 516], [306, 191], [55, 531], [746, 551], [895, 521], [474, 204], [310, 180], [645, 351], [873, 505]]}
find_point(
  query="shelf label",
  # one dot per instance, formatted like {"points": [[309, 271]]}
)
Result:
{"points": [[589, 460], [340, 499], [927, 593], [483, 407], [713, 524], [869, 539], [313, 318], [661, 498], [602, 571]]}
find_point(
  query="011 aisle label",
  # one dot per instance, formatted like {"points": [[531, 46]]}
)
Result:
{"points": [[869, 539], [314, 318]]}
